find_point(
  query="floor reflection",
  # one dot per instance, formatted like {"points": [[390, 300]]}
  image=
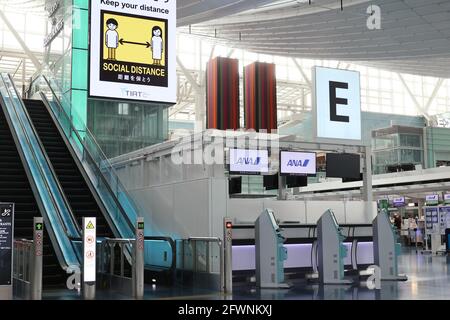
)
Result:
{"points": [[428, 278]]}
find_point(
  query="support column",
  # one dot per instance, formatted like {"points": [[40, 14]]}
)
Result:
{"points": [[281, 187], [367, 184]]}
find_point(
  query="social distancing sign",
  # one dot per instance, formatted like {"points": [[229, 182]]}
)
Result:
{"points": [[132, 50], [134, 57]]}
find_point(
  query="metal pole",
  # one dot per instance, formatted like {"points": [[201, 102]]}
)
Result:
{"points": [[36, 269], [281, 187], [227, 266], [222, 274], [367, 182], [113, 260], [194, 256], [207, 257], [138, 260], [122, 260]]}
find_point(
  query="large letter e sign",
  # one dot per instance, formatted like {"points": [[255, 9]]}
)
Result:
{"points": [[337, 104], [334, 101]]}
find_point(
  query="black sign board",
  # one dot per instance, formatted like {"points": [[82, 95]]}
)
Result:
{"points": [[6, 242]]}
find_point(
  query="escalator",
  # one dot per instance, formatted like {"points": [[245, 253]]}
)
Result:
{"points": [[16, 188], [29, 181], [58, 171], [73, 183]]}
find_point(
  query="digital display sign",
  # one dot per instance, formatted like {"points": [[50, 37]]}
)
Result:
{"points": [[432, 199], [399, 202], [337, 103], [297, 163], [133, 50], [6, 243], [247, 161], [447, 198]]}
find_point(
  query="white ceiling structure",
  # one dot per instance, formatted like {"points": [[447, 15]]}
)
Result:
{"points": [[414, 36]]}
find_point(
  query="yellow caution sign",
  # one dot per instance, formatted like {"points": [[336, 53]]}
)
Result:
{"points": [[90, 225]]}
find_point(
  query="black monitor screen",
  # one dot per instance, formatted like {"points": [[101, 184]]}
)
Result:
{"points": [[271, 182], [235, 185], [296, 181], [343, 165]]}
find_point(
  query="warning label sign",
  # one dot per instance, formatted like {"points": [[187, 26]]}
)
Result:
{"points": [[90, 225]]}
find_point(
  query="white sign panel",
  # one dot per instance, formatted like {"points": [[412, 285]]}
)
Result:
{"points": [[297, 162], [399, 201], [89, 247], [249, 161], [432, 198], [447, 197], [133, 50], [337, 98]]}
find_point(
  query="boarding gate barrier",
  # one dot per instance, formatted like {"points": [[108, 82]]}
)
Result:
{"points": [[116, 273], [200, 262], [27, 264]]}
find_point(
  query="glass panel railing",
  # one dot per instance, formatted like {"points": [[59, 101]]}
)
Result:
{"points": [[199, 262], [120, 206], [60, 219]]}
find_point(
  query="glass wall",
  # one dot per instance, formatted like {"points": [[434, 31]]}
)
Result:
{"points": [[124, 127], [397, 151]]}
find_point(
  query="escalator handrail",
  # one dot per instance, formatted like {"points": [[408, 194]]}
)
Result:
{"points": [[34, 156], [87, 151], [172, 244], [51, 169]]}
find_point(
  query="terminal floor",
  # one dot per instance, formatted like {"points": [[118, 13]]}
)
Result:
{"points": [[428, 278]]}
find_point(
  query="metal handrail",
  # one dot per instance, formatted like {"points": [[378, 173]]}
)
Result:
{"points": [[172, 244], [206, 239]]}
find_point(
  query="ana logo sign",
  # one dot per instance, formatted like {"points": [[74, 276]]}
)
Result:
{"points": [[433, 198], [300, 163], [249, 161], [447, 198], [337, 103]]}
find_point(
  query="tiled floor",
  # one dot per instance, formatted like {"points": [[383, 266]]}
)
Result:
{"points": [[428, 278]]}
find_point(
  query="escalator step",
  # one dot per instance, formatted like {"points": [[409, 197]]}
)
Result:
{"points": [[75, 188]]}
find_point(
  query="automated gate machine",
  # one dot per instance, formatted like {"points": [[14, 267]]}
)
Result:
{"points": [[385, 247], [331, 250], [270, 253]]}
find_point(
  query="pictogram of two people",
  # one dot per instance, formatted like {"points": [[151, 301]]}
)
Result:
{"points": [[112, 41]]}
